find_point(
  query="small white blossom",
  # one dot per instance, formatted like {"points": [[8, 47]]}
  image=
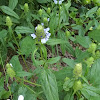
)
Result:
{"points": [[21, 97], [58, 1], [44, 40], [11, 65], [33, 35], [48, 19], [42, 24], [47, 34]]}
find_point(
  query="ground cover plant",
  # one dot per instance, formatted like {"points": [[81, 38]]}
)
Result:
{"points": [[49, 49]]}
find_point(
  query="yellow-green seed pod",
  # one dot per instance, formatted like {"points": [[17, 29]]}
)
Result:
{"points": [[97, 54], [77, 70], [89, 61], [91, 28], [26, 8], [45, 21], [8, 21], [68, 34], [92, 48], [8, 65], [40, 12], [48, 10], [19, 36], [77, 86], [67, 78], [40, 32], [98, 12], [11, 73]]}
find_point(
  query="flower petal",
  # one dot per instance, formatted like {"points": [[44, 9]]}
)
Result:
{"points": [[48, 19], [42, 24], [21, 97], [48, 35], [11, 65], [46, 30], [60, 2], [55, 1], [43, 40], [33, 35]]}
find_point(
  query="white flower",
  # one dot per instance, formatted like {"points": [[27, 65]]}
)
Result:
{"points": [[46, 32], [42, 24], [44, 40], [58, 1], [33, 35], [48, 19], [55, 1], [21, 97], [11, 65]]}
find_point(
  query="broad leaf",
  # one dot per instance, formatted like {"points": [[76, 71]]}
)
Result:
{"points": [[49, 85], [9, 11], [12, 4], [95, 34], [22, 30], [53, 60], [15, 63]]}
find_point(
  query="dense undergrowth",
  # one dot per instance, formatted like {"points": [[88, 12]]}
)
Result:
{"points": [[49, 50]]}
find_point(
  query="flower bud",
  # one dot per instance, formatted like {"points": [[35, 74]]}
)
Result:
{"points": [[67, 78], [91, 28], [26, 8], [8, 21], [92, 48], [45, 21], [77, 86], [77, 70], [19, 36], [11, 73], [40, 32], [48, 10], [97, 54], [98, 12], [68, 34], [89, 61], [40, 12]]}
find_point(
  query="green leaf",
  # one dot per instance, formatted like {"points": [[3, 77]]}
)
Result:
{"points": [[3, 34], [84, 41], [5, 94], [49, 85], [89, 91], [22, 30], [15, 63], [68, 61], [63, 73], [23, 73], [12, 4], [69, 96], [95, 73], [27, 45], [95, 34], [83, 55], [68, 84], [44, 50], [53, 60], [9, 11], [91, 12], [55, 41], [43, 1]]}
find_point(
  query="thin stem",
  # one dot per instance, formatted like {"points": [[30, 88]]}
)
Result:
{"points": [[19, 48], [5, 76], [29, 89]]}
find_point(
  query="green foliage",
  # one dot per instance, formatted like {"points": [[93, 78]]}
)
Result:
{"points": [[50, 50]]}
